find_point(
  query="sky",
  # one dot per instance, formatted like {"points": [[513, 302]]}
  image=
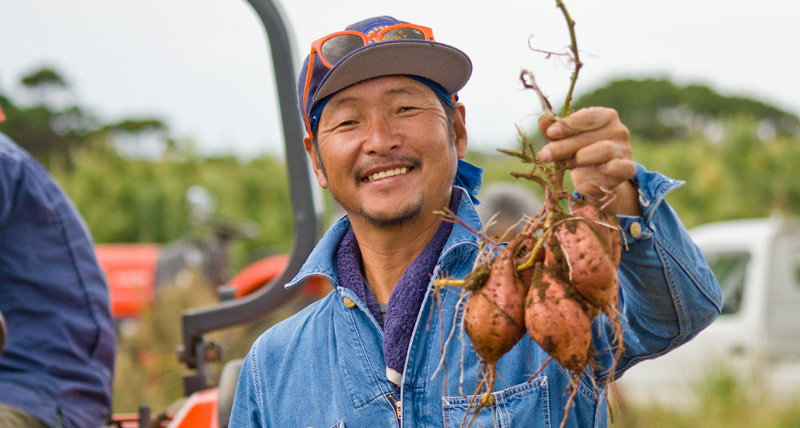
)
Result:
{"points": [[203, 65]]}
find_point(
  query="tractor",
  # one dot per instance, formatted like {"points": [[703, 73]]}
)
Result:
{"points": [[257, 290]]}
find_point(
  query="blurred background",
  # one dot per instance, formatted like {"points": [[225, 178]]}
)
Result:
{"points": [[132, 104]]}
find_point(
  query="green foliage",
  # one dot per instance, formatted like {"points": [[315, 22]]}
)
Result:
{"points": [[659, 110], [137, 126], [53, 131], [739, 177], [44, 77], [142, 200], [49, 135]]}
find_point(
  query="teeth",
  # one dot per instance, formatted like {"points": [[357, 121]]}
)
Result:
{"points": [[389, 173]]}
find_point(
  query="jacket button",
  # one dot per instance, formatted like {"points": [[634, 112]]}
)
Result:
{"points": [[636, 229], [348, 303]]}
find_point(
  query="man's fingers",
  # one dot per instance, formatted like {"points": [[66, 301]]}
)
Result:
{"points": [[594, 181], [583, 120], [545, 122], [601, 152], [571, 146], [619, 169]]}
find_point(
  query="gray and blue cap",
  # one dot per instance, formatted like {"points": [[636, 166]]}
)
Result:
{"points": [[442, 67]]}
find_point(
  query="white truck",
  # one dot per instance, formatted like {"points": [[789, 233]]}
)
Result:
{"points": [[757, 336]]}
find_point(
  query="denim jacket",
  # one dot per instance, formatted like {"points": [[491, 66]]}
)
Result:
{"points": [[323, 367]]}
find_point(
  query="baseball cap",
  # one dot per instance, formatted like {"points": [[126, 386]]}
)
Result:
{"points": [[444, 65]]}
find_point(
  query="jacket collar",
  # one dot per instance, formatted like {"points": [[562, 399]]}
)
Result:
{"points": [[321, 261]]}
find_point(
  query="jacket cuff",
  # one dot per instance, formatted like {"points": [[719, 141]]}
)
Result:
{"points": [[652, 187]]}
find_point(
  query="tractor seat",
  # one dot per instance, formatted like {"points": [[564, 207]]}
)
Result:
{"points": [[228, 380]]}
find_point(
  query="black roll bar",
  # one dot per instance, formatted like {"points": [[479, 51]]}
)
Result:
{"points": [[195, 350], [3, 332]]}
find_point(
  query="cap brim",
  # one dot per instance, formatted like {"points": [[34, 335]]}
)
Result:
{"points": [[443, 64]]}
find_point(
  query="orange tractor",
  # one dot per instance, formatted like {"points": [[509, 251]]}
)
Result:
{"points": [[252, 294]]}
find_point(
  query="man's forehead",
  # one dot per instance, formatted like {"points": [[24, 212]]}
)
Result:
{"points": [[387, 85]]}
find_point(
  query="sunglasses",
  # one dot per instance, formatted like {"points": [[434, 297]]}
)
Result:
{"points": [[333, 47], [336, 46]]}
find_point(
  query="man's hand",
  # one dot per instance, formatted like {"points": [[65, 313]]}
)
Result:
{"points": [[595, 144]]}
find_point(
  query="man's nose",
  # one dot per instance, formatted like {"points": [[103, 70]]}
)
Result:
{"points": [[381, 138]]}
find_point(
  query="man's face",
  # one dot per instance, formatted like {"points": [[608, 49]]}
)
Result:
{"points": [[387, 152]]}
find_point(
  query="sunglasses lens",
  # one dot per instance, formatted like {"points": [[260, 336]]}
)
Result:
{"points": [[337, 47], [404, 33]]}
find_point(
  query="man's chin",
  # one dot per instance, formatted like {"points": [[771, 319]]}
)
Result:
{"points": [[394, 219]]}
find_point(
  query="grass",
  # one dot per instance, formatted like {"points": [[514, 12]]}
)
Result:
{"points": [[723, 401]]}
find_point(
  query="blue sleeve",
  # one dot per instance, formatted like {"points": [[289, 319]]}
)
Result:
{"points": [[10, 171], [668, 293]]}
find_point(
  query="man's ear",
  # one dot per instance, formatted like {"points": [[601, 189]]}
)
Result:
{"points": [[319, 171], [460, 129]]}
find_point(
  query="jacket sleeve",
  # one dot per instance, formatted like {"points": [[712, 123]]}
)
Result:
{"points": [[668, 293], [10, 173]]}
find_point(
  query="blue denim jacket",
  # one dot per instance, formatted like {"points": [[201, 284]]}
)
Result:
{"points": [[324, 367]]}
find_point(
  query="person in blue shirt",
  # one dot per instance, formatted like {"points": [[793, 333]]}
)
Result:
{"points": [[387, 138], [57, 366]]}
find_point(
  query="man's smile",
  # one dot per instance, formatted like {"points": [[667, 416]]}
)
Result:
{"points": [[388, 173]]}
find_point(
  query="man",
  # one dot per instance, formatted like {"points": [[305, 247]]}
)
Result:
{"points": [[502, 207], [386, 136], [57, 366]]}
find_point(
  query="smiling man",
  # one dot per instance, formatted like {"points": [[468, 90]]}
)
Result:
{"points": [[387, 138], [387, 151]]}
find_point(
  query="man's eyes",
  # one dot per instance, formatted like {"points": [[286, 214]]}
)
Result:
{"points": [[346, 123]]}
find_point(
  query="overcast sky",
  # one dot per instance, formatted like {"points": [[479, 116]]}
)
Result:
{"points": [[203, 66]]}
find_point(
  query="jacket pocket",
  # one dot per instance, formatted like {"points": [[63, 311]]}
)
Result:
{"points": [[525, 404]]}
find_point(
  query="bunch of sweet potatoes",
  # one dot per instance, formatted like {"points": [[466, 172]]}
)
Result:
{"points": [[551, 281]]}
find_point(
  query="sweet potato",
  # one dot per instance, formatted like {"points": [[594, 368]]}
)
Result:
{"points": [[494, 315], [557, 321], [590, 268], [604, 224], [494, 318]]}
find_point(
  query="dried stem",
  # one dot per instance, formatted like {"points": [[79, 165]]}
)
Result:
{"points": [[529, 82], [575, 58]]}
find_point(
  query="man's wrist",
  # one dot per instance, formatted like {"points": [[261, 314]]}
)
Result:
{"points": [[627, 200]]}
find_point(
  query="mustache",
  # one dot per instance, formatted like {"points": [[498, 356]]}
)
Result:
{"points": [[358, 174]]}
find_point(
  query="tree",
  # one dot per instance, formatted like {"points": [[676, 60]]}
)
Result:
{"points": [[139, 137], [44, 84], [658, 109], [44, 77], [51, 126]]}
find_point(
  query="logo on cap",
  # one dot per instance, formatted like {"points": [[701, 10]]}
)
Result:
{"points": [[376, 28]]}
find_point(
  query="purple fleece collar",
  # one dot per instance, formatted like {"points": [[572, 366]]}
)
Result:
{"points": [[406, 298]]}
